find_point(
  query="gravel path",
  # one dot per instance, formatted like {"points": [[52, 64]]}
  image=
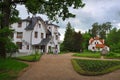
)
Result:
{"points": [[59, 67]]}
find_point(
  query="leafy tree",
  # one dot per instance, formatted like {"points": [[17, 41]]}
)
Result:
{"points": [[100, 29], [52, 8], [86, 37], [113, 40]]}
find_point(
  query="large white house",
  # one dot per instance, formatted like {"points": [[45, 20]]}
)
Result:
{"points": [[36, 34], [97, 44]]}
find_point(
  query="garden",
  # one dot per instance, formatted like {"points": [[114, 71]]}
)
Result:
{"points": [[94, 67]]}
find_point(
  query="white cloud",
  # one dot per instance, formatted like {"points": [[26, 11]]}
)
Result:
{"points": [[94, 11]]}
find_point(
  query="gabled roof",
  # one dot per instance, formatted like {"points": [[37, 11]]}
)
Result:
{"points": [[32, 21], [45, 41], [96, 38], [53, 25]]}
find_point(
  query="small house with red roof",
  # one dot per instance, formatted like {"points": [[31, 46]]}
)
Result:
{"points": [[97, 44]]}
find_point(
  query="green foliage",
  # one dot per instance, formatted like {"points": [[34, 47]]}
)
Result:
{"points": [[113, 55], [73, 40], [86, 37], [9, 68], [68, 43], [94, 67], [5, 38], [30, 58], [53, 8], [113, 40], [88, 54], [11, 48], [101, 29], [77, 42]]}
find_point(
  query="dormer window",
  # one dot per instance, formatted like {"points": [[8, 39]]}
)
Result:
{"points": [[39, 25], [19, 24]]}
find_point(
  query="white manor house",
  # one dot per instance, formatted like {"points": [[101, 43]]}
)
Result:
{"points": [[36, 34]]}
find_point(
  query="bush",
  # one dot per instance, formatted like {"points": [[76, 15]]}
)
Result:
{"points": [[94, 67]]}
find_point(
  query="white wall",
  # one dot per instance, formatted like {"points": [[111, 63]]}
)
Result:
{"points": [[39, 30]]}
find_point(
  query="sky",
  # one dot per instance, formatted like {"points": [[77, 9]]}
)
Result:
{"points": [[100, 11]]}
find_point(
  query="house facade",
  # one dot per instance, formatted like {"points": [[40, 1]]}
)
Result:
{"points": [[36, 34], [97, 44]]}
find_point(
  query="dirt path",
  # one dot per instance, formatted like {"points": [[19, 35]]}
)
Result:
{"points": [[59, 67]]}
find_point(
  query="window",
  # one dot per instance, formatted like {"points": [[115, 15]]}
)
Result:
{"points": [[36, 34], [56, 37], [19, 24], [28, 47], [19, 34], [39, 25], [42, 35], [19, 45]]}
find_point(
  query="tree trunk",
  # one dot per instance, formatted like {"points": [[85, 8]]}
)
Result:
{"points": [[5, 23]]}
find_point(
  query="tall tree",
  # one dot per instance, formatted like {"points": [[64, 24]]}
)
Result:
{"points": [[68, 40], [77, 42], [100, 29], [52, 8]]}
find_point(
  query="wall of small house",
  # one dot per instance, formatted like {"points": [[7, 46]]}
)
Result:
{"points": [[96, 42]]}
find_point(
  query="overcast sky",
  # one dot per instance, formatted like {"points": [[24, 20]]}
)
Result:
{"points": [[94, 11]]}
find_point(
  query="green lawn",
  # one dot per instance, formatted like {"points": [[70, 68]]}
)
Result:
{"points": [[88, 54], [9, 68], [94, 67], [31, 58], [112, 55]]}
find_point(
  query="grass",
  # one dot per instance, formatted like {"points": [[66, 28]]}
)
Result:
{"points": [[30, 58], [94, 67], [9, 68], [112, 55], [88, 54]]}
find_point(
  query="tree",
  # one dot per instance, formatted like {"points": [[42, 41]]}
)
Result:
{"points": [[73, 41], [86, 37], [100, 29], [77, 42], [68, 40], [52, 8], [113, 40]]}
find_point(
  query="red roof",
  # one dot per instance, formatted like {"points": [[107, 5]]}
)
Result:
{"points": [[96, 38], [100, 45]]}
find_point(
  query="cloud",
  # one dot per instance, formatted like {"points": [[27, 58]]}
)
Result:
{"points": [[94, 11]]}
